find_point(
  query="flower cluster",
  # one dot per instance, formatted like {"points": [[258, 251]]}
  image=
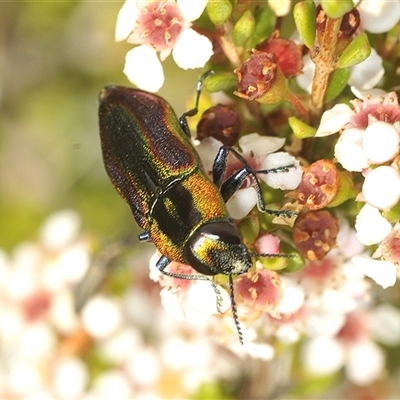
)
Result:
{"points": [[313, 114]]}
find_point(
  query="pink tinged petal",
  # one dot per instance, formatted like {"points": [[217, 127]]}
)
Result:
{"points": [[381, 141], [260, 145], [349, 151], [382, 272], [379, 16], [368, 73], [144, 69], [323, 355], [191, 9], [293, 297], [365, 362], [371, 227], [192, 50], [384, 324], [242, 202], [381, 187], [282, 180], [126, 20], [334, 120]]}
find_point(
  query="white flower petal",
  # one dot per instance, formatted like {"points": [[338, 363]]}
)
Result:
{"points": [[260, 351], [324, 323], [192, 50], [208, 149], [379, 16], [292, 297], [336, 301], [101, 316], [260, 145], [365, 362], [322, 355], [349, 152], [371, 227], [280, 7], [381, 187], [191, 9], [126, 20], [334, 120], [380, 141], [305, 79], [382, 272], [368, 73], [144, 69], [281, 180], [60, 229], [242, 202], [385, 324], [70, 377]]}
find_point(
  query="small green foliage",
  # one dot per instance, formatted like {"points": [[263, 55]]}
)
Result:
{"points": [[219, 11], [265, 23], [336, 8], [304, 18], [244, 28], [346, 190], [220, 81], [300, 129], [250, 228], [357, 51], [337, 82]]}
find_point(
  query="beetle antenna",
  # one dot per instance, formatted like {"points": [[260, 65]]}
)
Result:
{"points": [[269, 255], [234, 310]]}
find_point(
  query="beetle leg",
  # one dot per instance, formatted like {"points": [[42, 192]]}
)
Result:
{"points": [[162, 263], [233, 183], [145, 237], [182, 120]]}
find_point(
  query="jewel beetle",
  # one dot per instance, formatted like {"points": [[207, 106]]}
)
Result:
{"points": [[150, 159]]}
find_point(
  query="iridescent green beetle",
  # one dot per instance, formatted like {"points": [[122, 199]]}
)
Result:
{"points": [[149, 157]]}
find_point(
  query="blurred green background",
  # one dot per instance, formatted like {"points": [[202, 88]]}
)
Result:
{"points": [[54, 59]]}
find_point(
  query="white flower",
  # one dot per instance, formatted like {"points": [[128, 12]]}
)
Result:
{"points": [[334, 120], [368, 73], [378, 16], [161, 27]]}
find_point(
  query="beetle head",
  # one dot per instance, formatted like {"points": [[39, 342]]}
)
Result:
{"points": [[217, 248]]}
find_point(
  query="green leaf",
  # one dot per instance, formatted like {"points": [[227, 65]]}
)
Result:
{"points": [[304, 18], [357, 51], [219, 11], [243, 29], [337, 82], [300, 129], [220, 81], [265, 23], [336, 8]]}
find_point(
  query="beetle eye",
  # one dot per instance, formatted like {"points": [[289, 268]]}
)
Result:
{"points": [[217, 248]]}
